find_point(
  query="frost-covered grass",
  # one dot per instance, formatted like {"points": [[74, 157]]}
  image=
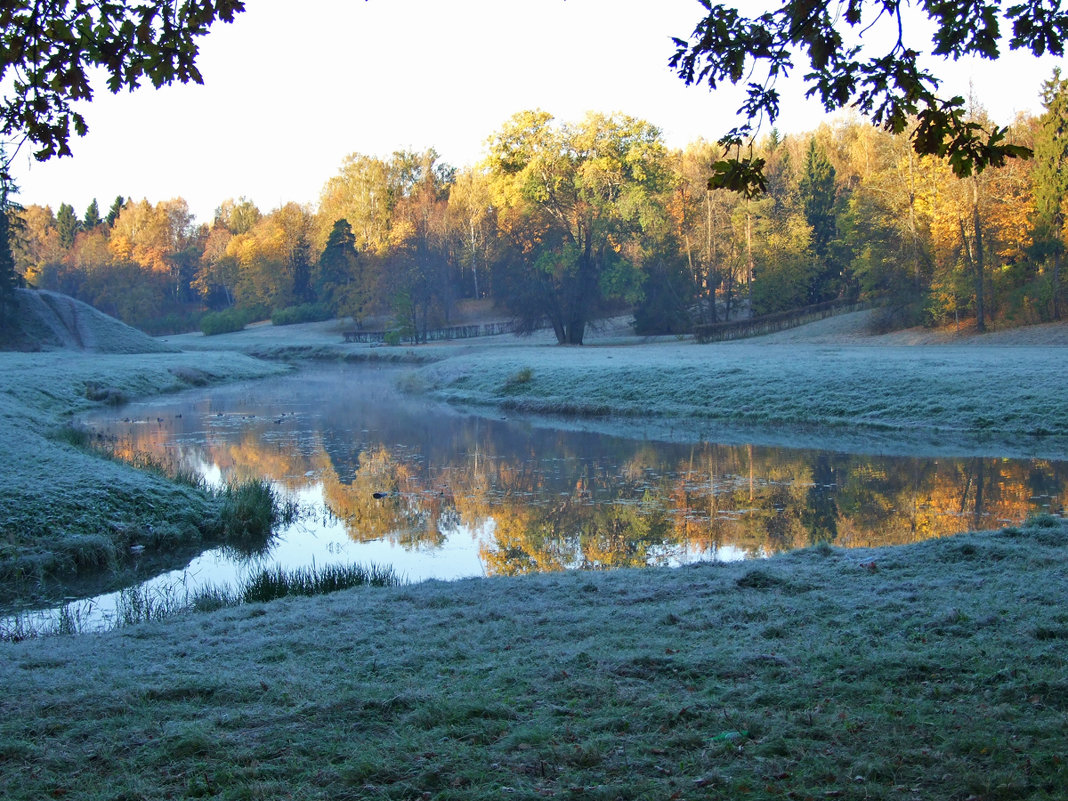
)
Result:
{"points": [[1010, 399], [66, 511], [932, 671]]}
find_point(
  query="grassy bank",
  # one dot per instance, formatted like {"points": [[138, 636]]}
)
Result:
{"points": [[66, 511], [1002, 401], [934, 671]]}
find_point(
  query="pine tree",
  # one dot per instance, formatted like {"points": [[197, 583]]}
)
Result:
{"points": [[1050, 176], [92, 216], [337, 278], [818, 196], [116, 209], [67, 224], [8, 276]]}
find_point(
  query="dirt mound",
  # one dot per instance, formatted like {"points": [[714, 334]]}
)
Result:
{"points": [[51, 321]]}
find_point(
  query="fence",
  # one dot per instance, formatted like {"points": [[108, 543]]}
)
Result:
{"points": [[435, 334], [770, 323]]}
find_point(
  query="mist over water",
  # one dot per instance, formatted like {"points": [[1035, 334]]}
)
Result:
{"points": [[437, 492]]}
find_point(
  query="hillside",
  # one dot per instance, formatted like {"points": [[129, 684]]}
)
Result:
{"points": [[51, 321]]}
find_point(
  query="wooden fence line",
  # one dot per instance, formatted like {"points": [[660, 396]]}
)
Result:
{"points": [[437, 334], [770, 323]]}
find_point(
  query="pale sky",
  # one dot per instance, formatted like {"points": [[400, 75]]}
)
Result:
{"points": [[291, 88]]}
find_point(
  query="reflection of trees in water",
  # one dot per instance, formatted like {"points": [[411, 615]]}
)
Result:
{"points": [[553, 505], [386, 500], [560, 513], [577, 533]]}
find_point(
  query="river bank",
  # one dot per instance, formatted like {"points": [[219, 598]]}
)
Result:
{"points": [[67, 512], [933, 671], [828, 385]]}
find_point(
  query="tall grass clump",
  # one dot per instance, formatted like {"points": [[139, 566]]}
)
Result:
{"points": [[142, 604], [273, 583], [249, 511]]}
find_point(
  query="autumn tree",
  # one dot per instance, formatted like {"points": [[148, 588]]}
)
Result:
{"points": [[703, 218], [274, 259], [571, 195], [417, 263], [473, 229], [38, 247], [363, 194], [218, 269]]}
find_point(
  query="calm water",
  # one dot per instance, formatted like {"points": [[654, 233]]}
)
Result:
{"points": [[471, 496]]}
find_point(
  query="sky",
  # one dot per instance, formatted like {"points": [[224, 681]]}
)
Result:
{"points": [[290, 89]]}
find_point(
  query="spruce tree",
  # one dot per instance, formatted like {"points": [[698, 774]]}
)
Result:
{"points": [[116, 209], [818, 196], [67, 224], [338, 278], [8, 276], [92, 216], [1050, 177]]}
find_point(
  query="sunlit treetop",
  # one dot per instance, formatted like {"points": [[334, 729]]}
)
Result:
{"points": [[48, 50], [887, 85]]}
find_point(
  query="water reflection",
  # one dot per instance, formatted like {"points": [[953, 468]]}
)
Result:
{"points": [[422, 477]]}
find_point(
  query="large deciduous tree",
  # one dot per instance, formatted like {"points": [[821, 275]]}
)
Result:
{"points": [[569, 196], [890, 85], [49, 51]]}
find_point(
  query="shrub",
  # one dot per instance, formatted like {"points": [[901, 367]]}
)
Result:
{"points": [[518, 379], [305, 313], [224, 322], [175, 322]]}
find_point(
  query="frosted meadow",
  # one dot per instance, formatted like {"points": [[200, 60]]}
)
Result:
{"points": [[932, 670]]}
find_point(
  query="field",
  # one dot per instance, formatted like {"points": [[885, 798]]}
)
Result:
{"points": [[931, 671]]}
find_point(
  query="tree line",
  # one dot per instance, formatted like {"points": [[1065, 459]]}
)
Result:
{"points": [[564, 222]]}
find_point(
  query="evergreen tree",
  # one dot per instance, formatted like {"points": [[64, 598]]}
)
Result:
{"points": [[1050, 177], [338, 280], [115, 211], [67, 224], [818, 197], [92, 216], [8, 276]]}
